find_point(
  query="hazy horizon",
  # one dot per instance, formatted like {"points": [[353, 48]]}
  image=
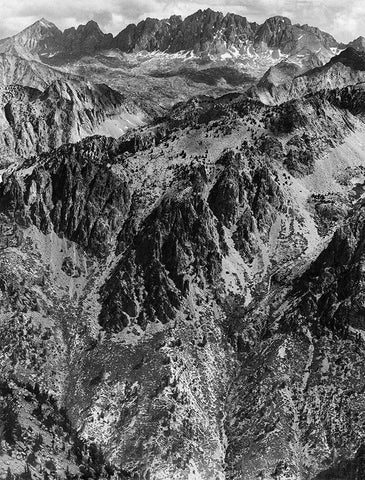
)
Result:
{"points": [[344, 21]]}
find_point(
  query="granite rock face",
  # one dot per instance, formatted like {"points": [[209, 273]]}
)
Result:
{"points": [[176, 242], [85, 39], [73, 193]]}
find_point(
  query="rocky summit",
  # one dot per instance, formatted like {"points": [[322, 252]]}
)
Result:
{"points": [[182, 248]]}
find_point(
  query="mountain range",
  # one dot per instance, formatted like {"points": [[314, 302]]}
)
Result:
{"points": [[203, 32], [182, 252]]}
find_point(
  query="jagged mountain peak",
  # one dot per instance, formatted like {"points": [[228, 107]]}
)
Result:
{"points": [[279, 32], [358, 44], [273, 26], [84, 40], [203, 32], [208, 15], [278, 19], [205, 11], [350, 57], [39, 30], [42, 23], [90, 26], [36, 39], [288, 79]]}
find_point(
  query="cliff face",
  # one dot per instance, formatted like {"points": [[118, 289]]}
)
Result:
{"points": [[85, 39], [15, 70], [72, 193]]}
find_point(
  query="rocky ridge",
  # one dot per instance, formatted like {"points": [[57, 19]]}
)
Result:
{"points": [[287, 80], [219, 34]]}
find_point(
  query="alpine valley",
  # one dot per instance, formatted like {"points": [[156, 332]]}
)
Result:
{"points": [[182, 252]]}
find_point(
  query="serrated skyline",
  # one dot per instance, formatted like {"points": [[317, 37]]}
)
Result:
{"points": [[344, 20]]}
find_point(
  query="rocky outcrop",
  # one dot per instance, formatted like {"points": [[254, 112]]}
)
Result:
{"points": [[358, 44], [73, 193], [246, 202], [346, 469], [175, 244], [85, 39], [276, 32], [331, 289], [349, 98], [150, 34]]}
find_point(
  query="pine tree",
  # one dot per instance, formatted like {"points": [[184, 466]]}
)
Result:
{"points": [[9, 475]]}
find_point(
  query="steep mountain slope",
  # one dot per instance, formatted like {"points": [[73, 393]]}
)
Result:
{"points": [[43, 36], [358, 44], [147, 270], [305, 376], [35, 121], [85, 39], [184, 300], [285, 81], [15, 70], [325, 38], [278, 32], [44, 39]]}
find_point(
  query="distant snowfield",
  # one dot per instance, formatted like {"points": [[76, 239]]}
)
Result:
{"points": [[246, 56]]}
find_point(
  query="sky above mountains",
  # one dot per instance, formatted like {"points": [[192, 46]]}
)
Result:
{"points": [[345, 20]]}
